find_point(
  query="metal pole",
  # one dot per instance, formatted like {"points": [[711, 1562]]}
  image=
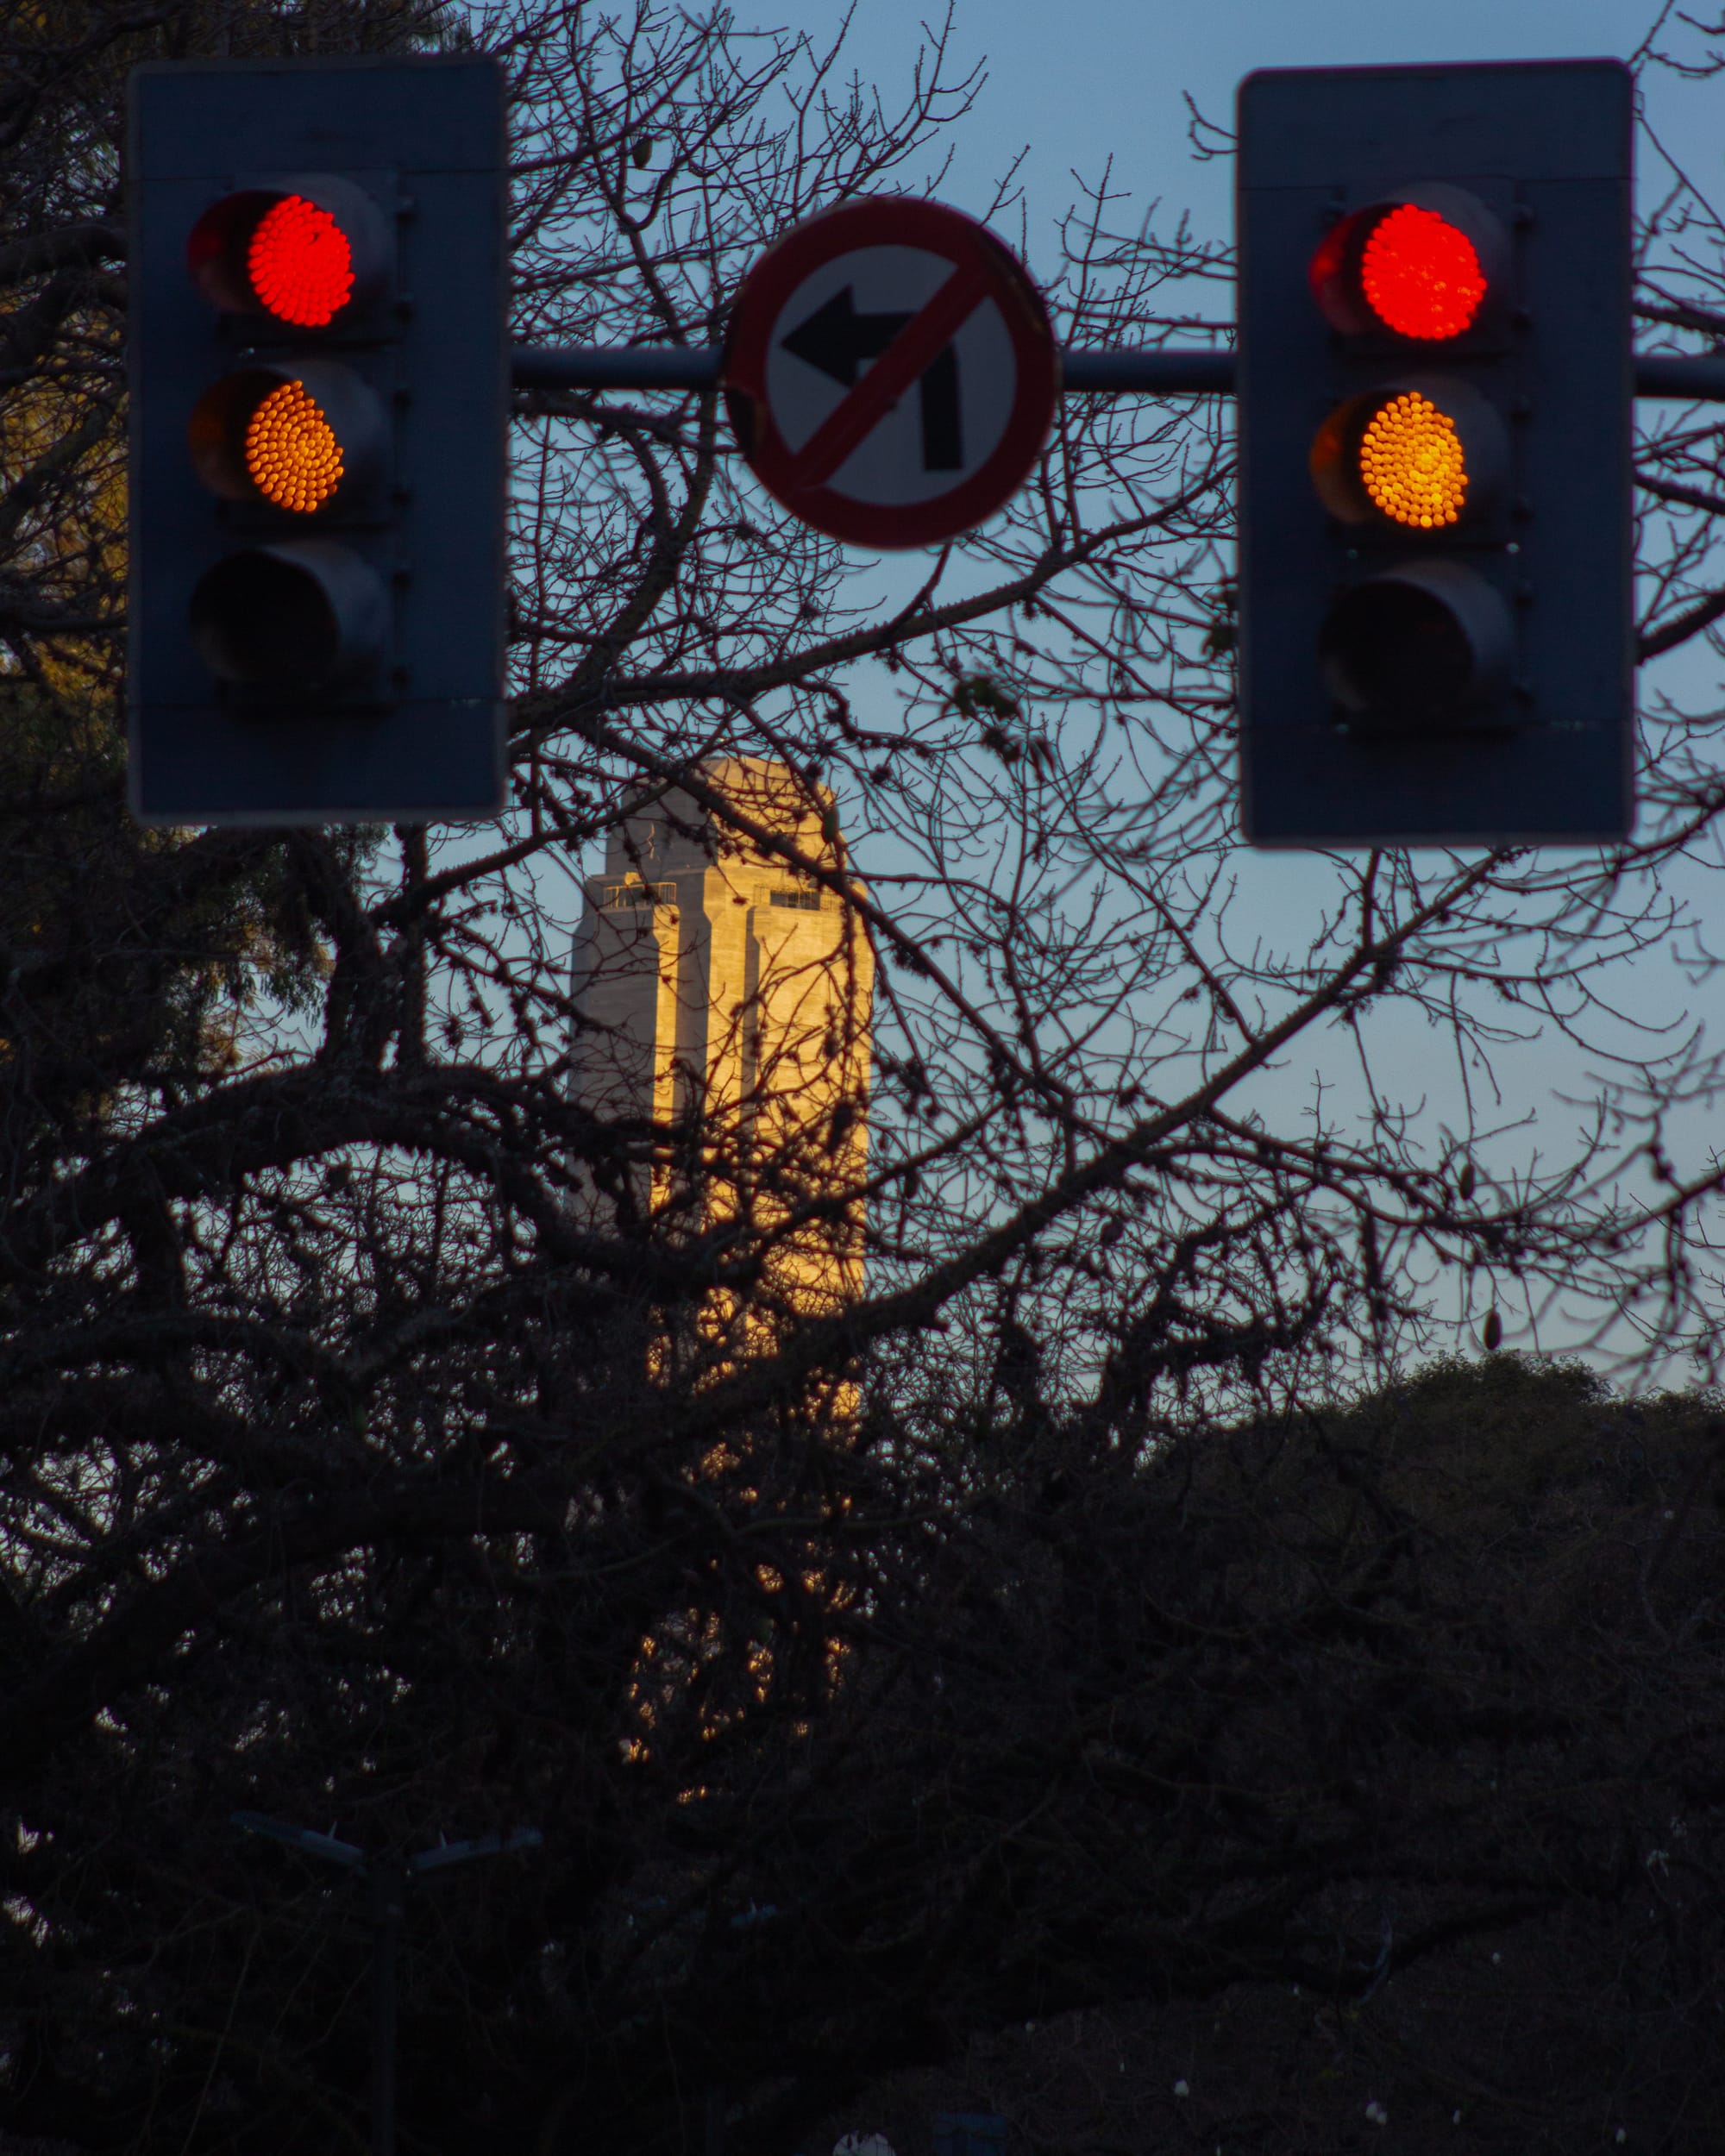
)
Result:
{"points": [[1679, 375], [389, 1884], [1174, 374], [1154, 373], [613, 366], [715, 2121], [1166, 372]]}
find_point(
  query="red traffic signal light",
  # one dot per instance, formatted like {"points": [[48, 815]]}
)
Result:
{"points": [[1419, 274], [308, 256], [300, 263], [1426, 265]]}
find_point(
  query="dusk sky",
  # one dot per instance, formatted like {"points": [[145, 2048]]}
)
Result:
{"points": [[1078, 80]]}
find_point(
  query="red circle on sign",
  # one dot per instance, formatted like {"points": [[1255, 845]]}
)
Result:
{"points": [[983, 272]]}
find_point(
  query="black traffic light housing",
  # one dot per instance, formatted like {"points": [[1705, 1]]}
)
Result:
{"points": [[318, 385], [1434, 407]]}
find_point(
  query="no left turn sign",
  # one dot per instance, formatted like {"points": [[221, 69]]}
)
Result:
{"points": [[890, 373]]}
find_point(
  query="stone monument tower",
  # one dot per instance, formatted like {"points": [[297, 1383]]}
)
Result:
{"points": [[724, 998]]}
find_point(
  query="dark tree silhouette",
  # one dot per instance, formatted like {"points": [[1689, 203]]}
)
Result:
{"points": [[1016, 1637]]}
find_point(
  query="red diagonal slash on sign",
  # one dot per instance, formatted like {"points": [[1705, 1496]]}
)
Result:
{"points": [[906, 360]]}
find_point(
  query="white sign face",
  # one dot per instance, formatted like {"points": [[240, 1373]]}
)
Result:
{"points": [[924, 442], [891, 373]]}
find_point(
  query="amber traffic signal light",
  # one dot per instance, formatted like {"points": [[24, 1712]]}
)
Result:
{"points": [[317, 578], [1434, 426]]}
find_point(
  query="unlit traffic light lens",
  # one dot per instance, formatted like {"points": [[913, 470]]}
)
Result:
{"points": [[1417, 645], [292, 456], [308, 616], [300, 263], [258, 618], [1419, 274]]}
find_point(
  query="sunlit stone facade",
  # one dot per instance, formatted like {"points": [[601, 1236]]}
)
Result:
{"points": [[725, 998]]}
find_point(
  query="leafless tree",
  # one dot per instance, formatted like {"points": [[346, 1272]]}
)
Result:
{"points": [[344, 1472]]}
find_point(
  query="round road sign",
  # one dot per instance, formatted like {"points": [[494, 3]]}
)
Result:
{"points": [[890, 373]]}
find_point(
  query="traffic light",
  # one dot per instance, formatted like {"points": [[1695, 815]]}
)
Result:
{"points": [[1434, 385], [319, 387]]}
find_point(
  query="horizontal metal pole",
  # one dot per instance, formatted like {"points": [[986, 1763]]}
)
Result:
{"points": [[613, 366], [487, 1846], [1160, 372], [306, 1838], [1156, 372], [659, 366], [1669, 375]]}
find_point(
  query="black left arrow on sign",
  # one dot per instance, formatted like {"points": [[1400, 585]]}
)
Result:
{"points": [[836, 340]]}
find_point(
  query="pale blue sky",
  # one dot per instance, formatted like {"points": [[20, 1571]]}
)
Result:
{"points": [[1076, 79]]}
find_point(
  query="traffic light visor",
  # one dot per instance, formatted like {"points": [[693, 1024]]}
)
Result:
{"points": [[1420, 268], [302, 256], [1424, 454]]}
